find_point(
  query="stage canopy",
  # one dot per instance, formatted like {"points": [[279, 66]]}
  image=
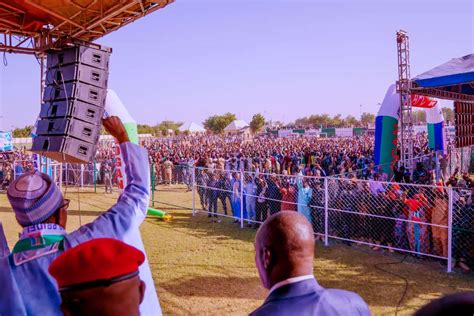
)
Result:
{"points": [[452, 80], [236, 125], [191, 127], [31, 26]]}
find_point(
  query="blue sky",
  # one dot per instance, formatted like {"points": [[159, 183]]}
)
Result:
{"points": [[283, 58]]}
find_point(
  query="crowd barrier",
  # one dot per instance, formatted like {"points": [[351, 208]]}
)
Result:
{"points": [[422, 220]]}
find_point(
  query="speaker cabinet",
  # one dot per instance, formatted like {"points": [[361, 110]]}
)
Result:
{"points": [[73, 104]]}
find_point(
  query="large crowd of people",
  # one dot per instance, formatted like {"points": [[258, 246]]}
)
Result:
{"points": [[267, 174], [101, 268], [12, 164], [311, 156], [259, 178]]}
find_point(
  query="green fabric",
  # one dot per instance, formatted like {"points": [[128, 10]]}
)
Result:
{"points": [[330, 131], [27, 243], [132, 132], [431, 136]]}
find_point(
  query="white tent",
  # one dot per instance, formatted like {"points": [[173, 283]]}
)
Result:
{"points": [[192, 128], [236, 125]]}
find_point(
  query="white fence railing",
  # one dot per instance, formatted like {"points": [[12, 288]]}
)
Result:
{"points": [[421, 220]]}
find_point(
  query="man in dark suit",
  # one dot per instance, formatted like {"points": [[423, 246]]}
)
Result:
{"points": [[284, 248]]}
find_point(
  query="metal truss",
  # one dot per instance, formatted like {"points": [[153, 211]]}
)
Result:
{"points": [[407, 132], [33, 26], [441, 94]]}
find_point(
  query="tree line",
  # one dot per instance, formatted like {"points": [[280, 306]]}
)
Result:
{"points": [[325, 120], [217, 123]]}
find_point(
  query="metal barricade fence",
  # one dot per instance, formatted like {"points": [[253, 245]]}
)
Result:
{"points": [[422, 220], [463, 225], [171, 186], [93, 175], [407, 218], [82, 175]]}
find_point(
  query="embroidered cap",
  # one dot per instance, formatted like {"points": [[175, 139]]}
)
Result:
{"points": [[98, 262], [34, 197]]}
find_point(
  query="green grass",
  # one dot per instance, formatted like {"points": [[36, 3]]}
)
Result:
{"points": [[208, 268]]}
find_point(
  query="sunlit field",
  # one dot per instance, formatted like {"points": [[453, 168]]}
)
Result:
{"points": [[205, 268]]}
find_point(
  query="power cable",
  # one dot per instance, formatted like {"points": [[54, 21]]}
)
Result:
{"points": [[402, 298]]}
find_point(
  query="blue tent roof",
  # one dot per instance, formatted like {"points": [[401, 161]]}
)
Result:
{"points": [[457, 75]]}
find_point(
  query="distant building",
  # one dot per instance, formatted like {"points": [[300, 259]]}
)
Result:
{"points": [[239, 128]]}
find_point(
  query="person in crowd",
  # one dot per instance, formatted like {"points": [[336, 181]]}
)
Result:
{"points": [[261, 205], [463, 233], [107, 171], [99, 277], [284, 256], [249, 194], [317, 208], [168, 167], [212, 195], [236, 193], [39, 207], [201, 183], [7, 177], [224, 186], [188, 172], [420, 175], [305, 193], [439, 219], [417, 230], [273, 194], [18, 170], [288, 195]]}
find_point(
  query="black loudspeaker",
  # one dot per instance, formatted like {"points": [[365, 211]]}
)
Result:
{"points": [[64, 148], [83, 73], [95, 57], [75, 90], [72, 108], [68, 126], [69, 123]]}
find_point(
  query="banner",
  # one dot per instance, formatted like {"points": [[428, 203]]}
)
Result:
{"points": [[6, 141], [115, 107], [386, 131]]}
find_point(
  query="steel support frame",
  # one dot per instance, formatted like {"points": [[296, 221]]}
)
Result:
{"points": [[441, 94], [407, 133], [16, 40], [25, 43]]}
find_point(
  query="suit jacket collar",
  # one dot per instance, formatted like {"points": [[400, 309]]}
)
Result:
{"points": [[294, 289]]}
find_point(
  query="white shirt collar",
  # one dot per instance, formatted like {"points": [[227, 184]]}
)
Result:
{"points": [[291, 281]]}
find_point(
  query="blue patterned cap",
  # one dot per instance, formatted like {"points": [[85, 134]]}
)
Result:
{"points": [[34, 198]]}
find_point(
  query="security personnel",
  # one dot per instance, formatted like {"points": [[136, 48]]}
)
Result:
{"points": [[99, 277]]}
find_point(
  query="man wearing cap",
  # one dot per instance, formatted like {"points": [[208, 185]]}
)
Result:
{"points": [[100, 277], [27, 288]]}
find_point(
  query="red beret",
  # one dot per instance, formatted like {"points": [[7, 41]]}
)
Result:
{"points": [[97, 262]]}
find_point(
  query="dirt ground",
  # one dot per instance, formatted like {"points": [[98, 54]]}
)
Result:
{"points": [[204, 268]]}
